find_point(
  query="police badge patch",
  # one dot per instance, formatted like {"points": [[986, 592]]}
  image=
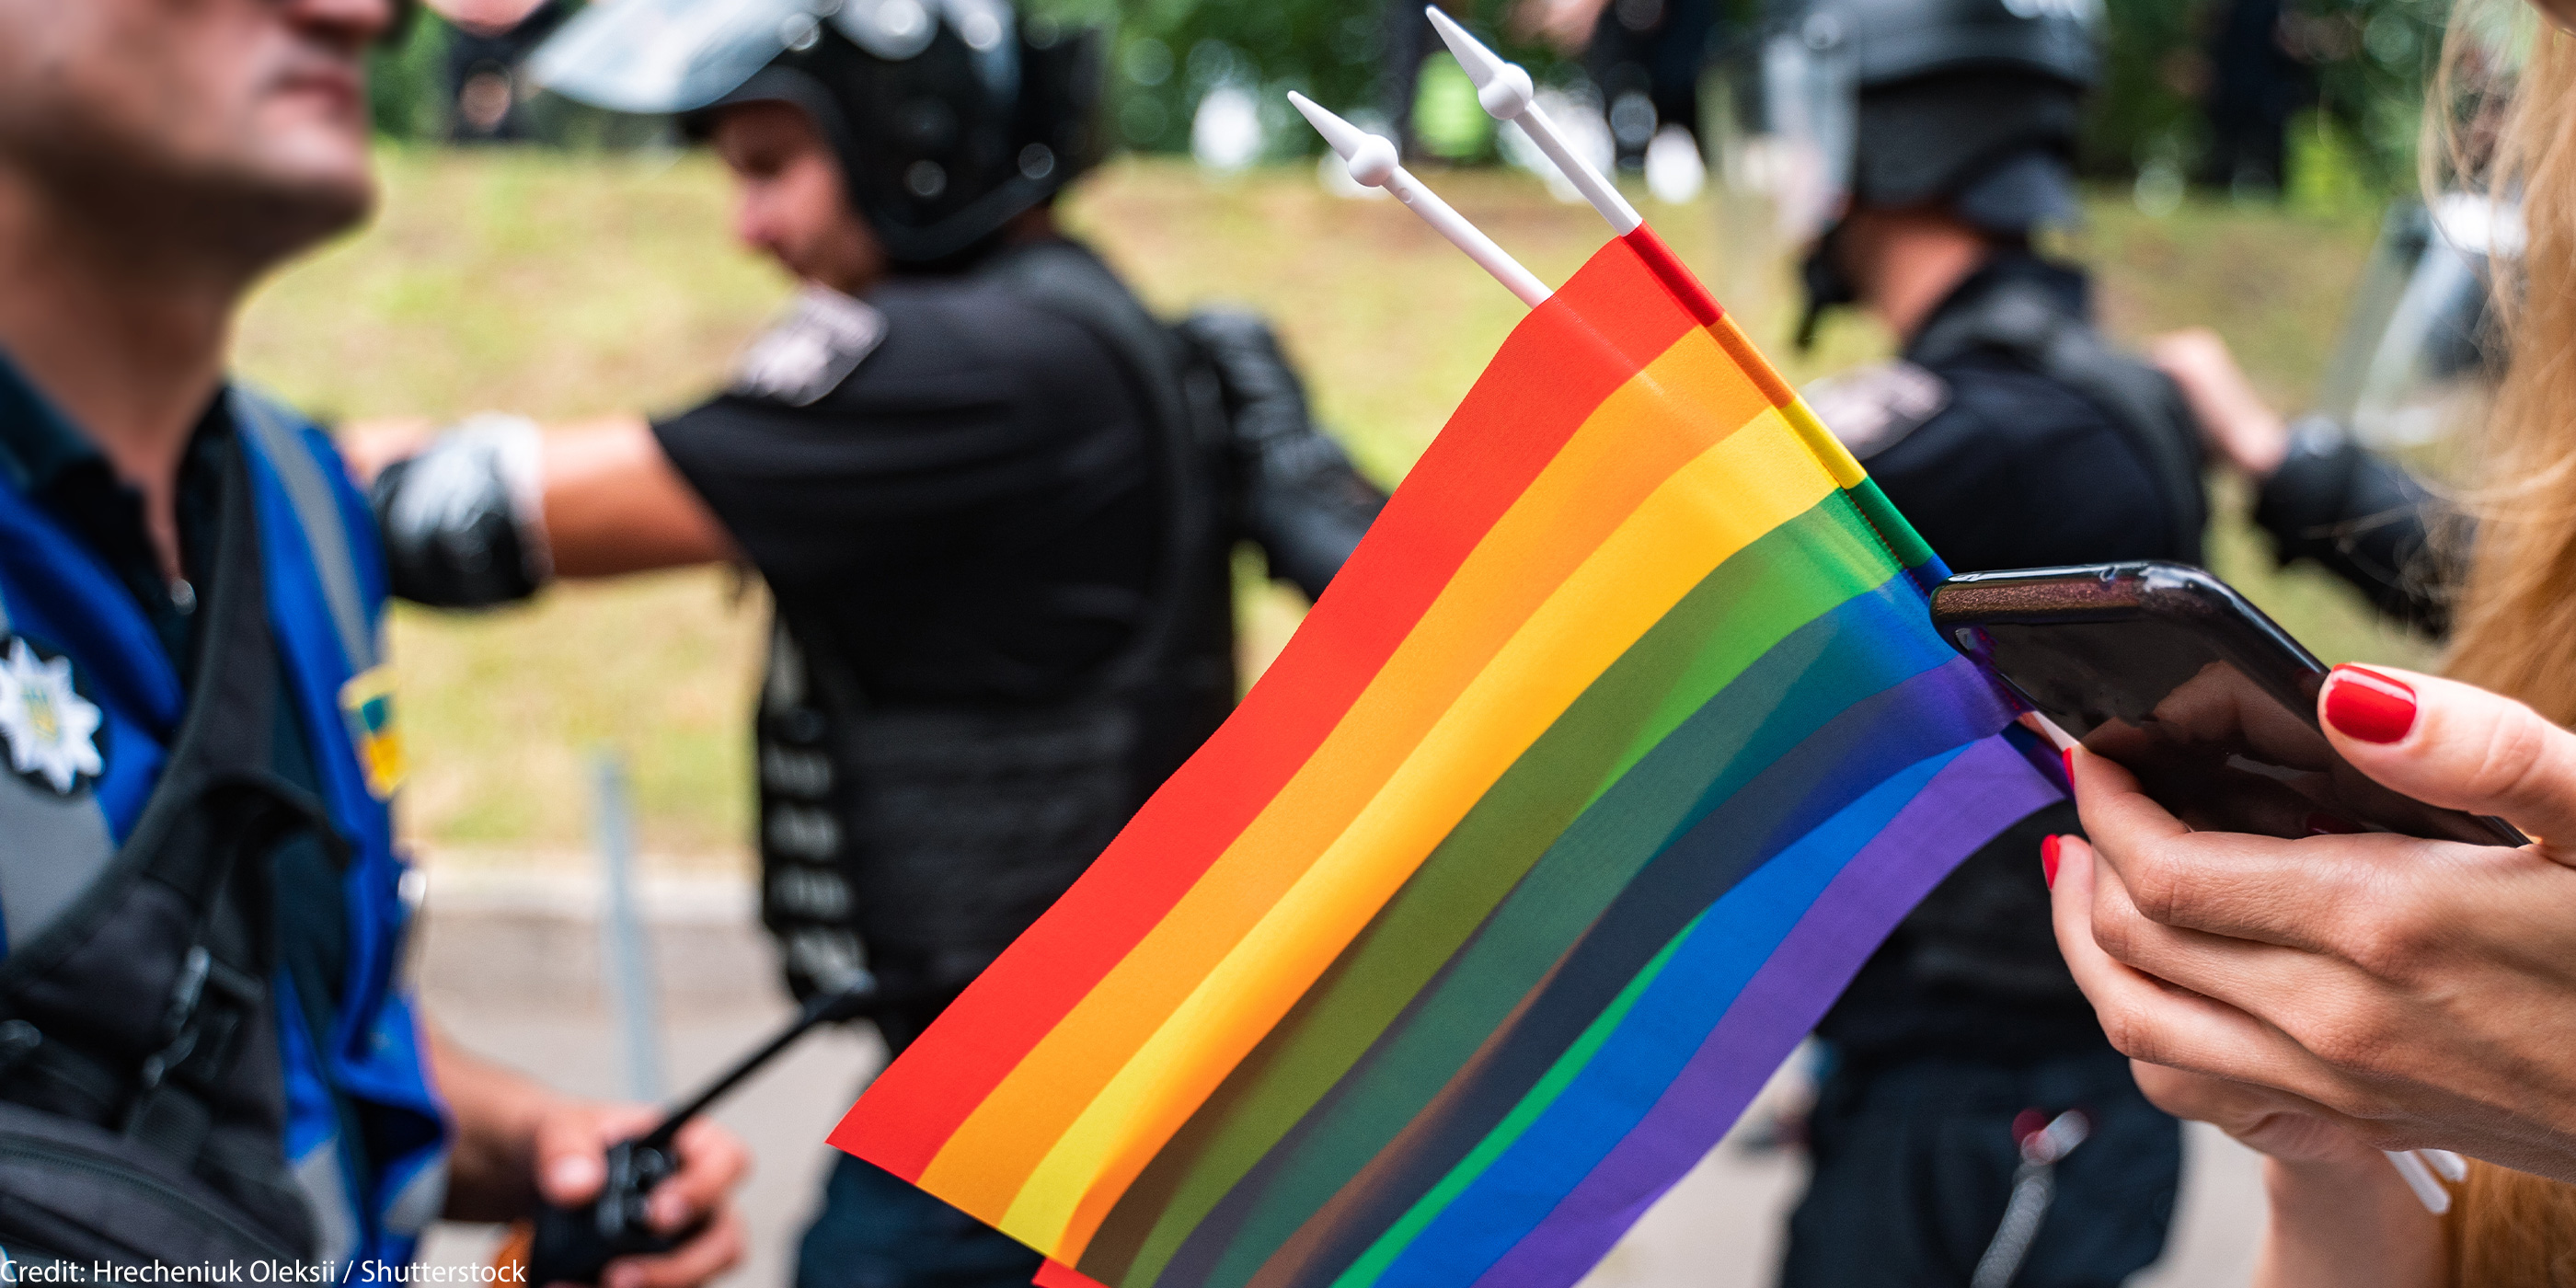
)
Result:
{"points": [[822, 339], [1873, 408], [52, 731]]}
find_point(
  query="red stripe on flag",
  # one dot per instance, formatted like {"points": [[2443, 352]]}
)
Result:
{"points": [[1056, 1274], [1685, 286], [1572, 352], [1668, 267]]}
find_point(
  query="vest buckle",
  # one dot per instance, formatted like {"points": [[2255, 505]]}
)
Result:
{"points": [[211, 1006]]}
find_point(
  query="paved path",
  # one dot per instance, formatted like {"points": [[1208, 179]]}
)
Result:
{"points": [[515, 974]]}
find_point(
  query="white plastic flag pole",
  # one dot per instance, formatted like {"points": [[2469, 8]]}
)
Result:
{"points": [[2419, 1178], [1372, 161], [1505, 91]]}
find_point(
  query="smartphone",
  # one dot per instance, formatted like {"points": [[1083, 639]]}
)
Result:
{"points": [[2170, 672]]}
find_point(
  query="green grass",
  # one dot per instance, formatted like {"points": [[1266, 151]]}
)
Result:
{"points": [[563, 285]]}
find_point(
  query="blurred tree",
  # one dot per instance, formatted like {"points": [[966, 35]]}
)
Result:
{"points": [[1170, 53], [2354, 72], [406, 82], [2207, 87]]}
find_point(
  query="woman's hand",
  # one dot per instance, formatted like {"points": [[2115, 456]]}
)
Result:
{"points": [[2406, 992], [2341, 1217], [2234, 420], [2272, 1123]]}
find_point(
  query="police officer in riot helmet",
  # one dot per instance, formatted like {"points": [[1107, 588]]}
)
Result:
{"points": [[210, 1064], [994, 498], [1915, 145]]}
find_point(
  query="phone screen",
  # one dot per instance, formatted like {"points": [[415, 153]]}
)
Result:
{"points": [[2216, 720]]}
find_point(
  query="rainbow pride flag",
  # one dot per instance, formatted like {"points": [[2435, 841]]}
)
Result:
{"points": [[1608, 758]]}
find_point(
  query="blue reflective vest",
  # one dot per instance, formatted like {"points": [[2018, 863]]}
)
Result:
{"points": [[90, 705]]}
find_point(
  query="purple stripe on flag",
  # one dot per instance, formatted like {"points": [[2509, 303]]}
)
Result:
{"points": [[1987, 789]]}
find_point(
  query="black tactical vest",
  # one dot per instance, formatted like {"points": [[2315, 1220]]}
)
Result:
{"points": [[2035, 328], [921, 842]]}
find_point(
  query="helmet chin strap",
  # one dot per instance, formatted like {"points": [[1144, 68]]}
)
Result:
{"points": [[1827, 284]]}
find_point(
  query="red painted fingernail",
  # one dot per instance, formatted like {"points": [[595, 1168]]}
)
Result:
{"points": [[2067, 758], [2362, 703], [2048, 846], [2029, 1122], [2322, 824]]}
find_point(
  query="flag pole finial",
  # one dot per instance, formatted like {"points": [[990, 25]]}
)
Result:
{"points": [[1374, 162], [1504, 90]]}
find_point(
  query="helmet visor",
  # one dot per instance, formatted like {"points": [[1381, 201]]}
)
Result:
{"points": [[669, 56], [2415, 361]]}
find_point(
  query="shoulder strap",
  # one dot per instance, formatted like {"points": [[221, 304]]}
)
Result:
{"points": [[2026, 322], [271, 429]]}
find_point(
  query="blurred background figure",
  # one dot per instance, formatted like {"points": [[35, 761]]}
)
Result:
{"points": [[1916, 146], [1406, 40], [1645, 58], [2255, 86], [486, 95]]}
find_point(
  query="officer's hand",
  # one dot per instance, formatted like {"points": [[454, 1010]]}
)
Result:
{"points": [[2234, 420], [572, 1141]]}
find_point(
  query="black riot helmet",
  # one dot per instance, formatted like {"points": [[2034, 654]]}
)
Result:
{"points": [[949, 117], [1896, 103], [1901, 102]]}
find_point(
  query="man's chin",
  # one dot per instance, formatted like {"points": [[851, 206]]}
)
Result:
{"points": [[313, 194]]}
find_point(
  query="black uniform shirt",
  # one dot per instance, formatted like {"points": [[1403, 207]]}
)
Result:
{"points": [[971, 513], [62, 471], [2019, 471], [2016, 470]]}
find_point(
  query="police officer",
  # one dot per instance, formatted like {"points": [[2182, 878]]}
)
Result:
{"points": [[994, 499], [1919, 143], [208, 1064], [486, 42]]}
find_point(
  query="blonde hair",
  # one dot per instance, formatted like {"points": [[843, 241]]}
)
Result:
{"points": [[2515, 624], [2511, 1230]]}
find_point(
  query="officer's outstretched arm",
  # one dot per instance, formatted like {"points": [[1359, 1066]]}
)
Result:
{"points": [[489, 511], [2320, 496], [1298, 496], [518, 1140]]}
